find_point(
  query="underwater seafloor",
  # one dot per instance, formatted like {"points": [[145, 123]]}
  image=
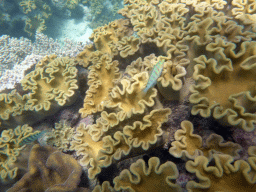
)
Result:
{"points": [[133, 95]]}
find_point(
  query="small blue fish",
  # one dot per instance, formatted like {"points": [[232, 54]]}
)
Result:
{"points": [[31, 138], [156, 72]]}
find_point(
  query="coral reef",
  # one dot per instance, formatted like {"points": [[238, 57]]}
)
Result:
{"points": [[17, 56], [51, 85], [189, 145], [49, 170], [102, 11], [39, 15], [224, 176], [153, 178], [11, 149], [165, 102]]}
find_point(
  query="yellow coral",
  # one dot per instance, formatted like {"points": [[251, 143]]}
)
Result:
{"points": [[12, 106], [149, 132], [71, 4], [49, 170], [106, 37], [34, 24], [225, 84], [152, 178], [105, 187], [102, 77], [189, 145], [27, 5], [130, 98], [10, 150], [61, 136], [52, 84], [244, 10], [84, 145], [224, 175], [128, 46]]}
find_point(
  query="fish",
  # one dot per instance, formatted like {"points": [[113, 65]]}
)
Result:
{"points": [[31, 138], [155, 73]]}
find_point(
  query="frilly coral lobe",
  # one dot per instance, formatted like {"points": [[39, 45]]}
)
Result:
{"points": [[123, 92]]}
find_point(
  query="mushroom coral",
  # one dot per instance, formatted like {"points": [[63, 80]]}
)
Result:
{"points": [[105, 39], [105, 187], [134, 123]]}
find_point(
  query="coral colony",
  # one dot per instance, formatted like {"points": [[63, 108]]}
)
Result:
{"points": [[162, 99]]}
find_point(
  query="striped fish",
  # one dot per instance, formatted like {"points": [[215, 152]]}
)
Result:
{"points": [[155, 73], [31, 138]]}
